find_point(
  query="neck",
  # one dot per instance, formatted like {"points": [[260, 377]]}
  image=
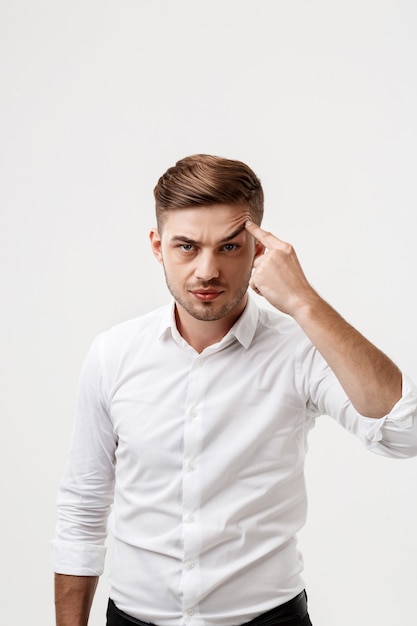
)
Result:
{"points": [[200, 334]]}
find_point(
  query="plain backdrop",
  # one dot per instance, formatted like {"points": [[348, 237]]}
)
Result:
{"points": [[98, 99]]}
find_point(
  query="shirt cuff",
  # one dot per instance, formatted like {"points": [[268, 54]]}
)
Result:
{"points": [[400, 417], [77, 559]]}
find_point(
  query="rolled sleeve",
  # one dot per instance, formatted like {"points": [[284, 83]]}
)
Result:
{"points": [[395, 434], [77, 559]]}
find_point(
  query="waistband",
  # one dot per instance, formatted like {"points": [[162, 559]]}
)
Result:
{"points": [[297, 607]]}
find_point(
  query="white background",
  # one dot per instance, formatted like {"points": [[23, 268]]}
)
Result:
{"points": [[98, 98]]}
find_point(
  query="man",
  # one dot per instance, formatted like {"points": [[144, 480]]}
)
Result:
{"points": [[192, 421]]}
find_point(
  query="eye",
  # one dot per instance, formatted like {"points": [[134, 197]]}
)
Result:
{"points": [[186, 247], [230, 247]]}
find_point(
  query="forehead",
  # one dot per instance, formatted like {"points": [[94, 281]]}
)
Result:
{"points": [[205, 222]]}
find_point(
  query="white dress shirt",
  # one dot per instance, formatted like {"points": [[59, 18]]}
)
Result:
{"points": [[201, 458]]}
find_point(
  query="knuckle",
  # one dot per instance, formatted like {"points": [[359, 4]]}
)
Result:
{"points": [[287, 248]]}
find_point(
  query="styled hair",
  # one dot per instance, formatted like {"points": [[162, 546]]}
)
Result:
{"points": [[202, 179]]}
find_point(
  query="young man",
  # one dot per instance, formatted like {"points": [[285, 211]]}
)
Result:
{"points": [[192, 421]]}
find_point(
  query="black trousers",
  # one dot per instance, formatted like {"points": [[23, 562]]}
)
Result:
{"points": [[292, 613]]}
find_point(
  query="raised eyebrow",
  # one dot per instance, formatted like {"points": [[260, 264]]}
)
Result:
{"points": [[193, 242], [234, 234]]}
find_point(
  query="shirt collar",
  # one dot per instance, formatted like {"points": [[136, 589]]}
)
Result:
{"points": [[243, 330], [167, 322], [245, 327]]}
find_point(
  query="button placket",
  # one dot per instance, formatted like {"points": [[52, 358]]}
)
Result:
{"points": [[192, 489]]}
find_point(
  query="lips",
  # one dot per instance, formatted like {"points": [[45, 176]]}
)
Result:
{"points": [[206, 295]]}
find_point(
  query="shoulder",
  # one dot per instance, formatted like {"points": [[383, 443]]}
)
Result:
{"points": [[143, 323], [132, 336], [271, 321], [278, 333]]}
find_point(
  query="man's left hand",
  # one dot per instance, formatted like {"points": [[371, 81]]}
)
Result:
{"points": [[277, 274]]}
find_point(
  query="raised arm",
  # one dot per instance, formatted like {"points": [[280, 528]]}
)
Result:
{"points": [[73, 599], [370, 379]]}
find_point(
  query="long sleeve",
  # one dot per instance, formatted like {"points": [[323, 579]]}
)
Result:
{"points": [[86, 491], [393, 435]]}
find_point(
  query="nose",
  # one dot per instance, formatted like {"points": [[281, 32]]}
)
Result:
{"points": [[207, 267]]}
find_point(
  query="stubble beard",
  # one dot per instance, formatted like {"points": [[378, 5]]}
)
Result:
{"points": [[207, 311]]}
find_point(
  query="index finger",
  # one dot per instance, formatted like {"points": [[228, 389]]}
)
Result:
{"points": [[264, 237]]}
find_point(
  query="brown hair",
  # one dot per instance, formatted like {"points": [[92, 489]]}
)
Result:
{"points": [[202, 179]]}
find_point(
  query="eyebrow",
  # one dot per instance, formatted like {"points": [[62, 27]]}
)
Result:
{"points": [[235, 233]]}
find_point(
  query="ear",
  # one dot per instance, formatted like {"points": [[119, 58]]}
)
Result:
{"points": [[259, 250], [156, 244]]}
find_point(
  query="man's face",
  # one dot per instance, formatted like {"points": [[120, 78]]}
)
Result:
{"points": [[207, 256]]}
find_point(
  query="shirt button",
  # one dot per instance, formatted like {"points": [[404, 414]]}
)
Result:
{"points": [[191, 519], [193, 414], [200, 362], [190, 564], [190, 612], [191, 467]]}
